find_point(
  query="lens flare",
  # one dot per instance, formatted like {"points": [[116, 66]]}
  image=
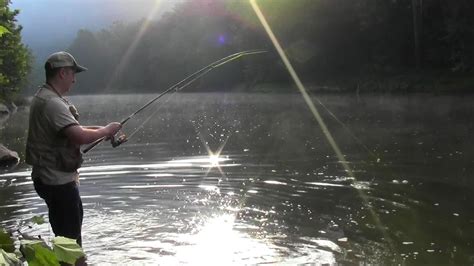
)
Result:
{"points": [[221, 39]]}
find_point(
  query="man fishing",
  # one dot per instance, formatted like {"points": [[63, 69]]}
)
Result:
{"points": [[53, 145]]}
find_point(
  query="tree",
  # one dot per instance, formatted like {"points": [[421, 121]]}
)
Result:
{"points": [[336, 42], [15, 58]]}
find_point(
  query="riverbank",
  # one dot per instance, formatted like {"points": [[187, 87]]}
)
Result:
{"points": [[8, 158]]}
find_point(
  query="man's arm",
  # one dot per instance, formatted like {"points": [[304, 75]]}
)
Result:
{"points": [[83, 135]]}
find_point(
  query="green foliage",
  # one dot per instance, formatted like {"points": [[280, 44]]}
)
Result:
{"points": [[38, 219], [326, 40], [3, 30], [37, 253], [8, 258], [14, 56], [67, 249], [6, 242]]}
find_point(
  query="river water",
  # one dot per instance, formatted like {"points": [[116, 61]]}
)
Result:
{"points": [[224, 179]]}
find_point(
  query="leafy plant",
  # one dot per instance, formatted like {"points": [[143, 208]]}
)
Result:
{"points": [[8, 258], [38, 220], [35, 251], [67, 249], [6, 243]]}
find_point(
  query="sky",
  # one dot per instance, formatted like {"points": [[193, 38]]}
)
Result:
{"points": [[49, 25]]}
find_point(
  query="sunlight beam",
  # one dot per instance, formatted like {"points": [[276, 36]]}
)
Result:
{"points": [[302, 89], [318, 117], [124, 60]]}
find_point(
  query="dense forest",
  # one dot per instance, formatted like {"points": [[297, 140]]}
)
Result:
{"points": [[371, 45], [15, 58], [335, 45]]}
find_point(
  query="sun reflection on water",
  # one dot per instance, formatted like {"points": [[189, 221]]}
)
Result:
{"points": [[218, 243], [214, 160], [214, 240]]}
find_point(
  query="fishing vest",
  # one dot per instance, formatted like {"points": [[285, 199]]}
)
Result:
{"points": [[47, 146]]}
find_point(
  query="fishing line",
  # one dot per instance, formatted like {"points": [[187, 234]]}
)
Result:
{"points": [[376, 157], [183, 84], [348, 130], [150, 116]]}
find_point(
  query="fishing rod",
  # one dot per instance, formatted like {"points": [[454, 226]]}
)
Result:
{"points": [[179, 86]]}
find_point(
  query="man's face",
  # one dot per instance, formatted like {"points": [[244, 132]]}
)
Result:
{"points": [[68, 78]]}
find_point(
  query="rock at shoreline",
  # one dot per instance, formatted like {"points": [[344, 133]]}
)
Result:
{"points": [[6, 111], [8, 158]]}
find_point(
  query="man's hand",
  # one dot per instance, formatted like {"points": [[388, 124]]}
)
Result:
{"points": [[112, 128]]}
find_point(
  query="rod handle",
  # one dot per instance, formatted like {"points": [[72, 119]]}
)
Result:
{"points": [[92, 145]]}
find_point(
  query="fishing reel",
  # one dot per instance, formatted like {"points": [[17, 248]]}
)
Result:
{"points": [[117, 141]]}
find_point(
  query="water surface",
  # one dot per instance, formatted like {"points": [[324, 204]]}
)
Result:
{"points": [[249, 178]]}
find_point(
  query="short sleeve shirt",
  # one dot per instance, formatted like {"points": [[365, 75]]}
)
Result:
{"points": [[44, 126]]}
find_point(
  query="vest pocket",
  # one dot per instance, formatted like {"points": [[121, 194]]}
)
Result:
{"points": [[68, 159]]}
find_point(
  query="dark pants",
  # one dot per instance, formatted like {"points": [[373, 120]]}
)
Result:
{"points": [[65, 208]]}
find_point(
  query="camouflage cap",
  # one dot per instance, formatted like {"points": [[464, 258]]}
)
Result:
{"points": [[64, 59]]}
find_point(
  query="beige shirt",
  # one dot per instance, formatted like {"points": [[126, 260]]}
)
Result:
{"points": [[44, 125]]}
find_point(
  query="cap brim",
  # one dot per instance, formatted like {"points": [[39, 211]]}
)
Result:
{"points": [[80, 69]]}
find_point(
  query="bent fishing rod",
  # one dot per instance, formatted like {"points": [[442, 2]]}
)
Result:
{"points": [[183, 84]]}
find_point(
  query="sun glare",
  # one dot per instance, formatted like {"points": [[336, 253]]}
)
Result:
{"points": [[214, 160], [218, 243]]}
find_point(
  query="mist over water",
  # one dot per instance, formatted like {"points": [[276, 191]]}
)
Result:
{"points": [[216, 178]]}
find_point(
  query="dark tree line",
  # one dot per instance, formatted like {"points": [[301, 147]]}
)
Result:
{"points": [[15, 59], [340, 42]]}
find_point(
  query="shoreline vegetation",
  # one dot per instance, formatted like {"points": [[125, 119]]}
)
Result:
{"points": [[361, 46], [335, 46]]}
